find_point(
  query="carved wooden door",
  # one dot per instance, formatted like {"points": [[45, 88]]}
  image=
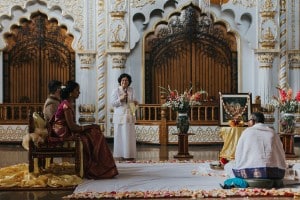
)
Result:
{"points": [[38, 50], [190, 50]]}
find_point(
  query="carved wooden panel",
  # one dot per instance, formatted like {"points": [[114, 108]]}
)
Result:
{"points": [[190, 50], [38, 50]]}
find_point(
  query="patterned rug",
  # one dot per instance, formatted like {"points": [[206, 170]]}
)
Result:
{"points": [[170, 179]]}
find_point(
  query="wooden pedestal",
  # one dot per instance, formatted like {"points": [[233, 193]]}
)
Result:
{"points": [[183, 146], [288, 144]]}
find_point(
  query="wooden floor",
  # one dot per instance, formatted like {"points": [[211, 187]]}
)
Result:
{"points": [[15, 154]]}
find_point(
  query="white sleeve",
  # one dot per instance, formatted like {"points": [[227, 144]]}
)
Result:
{"points": [[115, 98]]}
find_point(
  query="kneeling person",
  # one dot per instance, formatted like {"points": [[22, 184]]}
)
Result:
{"points": [[259, 152], [259, 157]]}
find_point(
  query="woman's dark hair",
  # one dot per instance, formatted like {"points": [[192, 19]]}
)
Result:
{"points": [[258, 117], [123, 76], [68, 88], [53, 86]]}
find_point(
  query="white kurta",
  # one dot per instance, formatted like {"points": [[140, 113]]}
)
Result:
{"points": [[259, 147], [124, 124]]}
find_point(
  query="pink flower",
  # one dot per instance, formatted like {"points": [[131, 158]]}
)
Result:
{"points": [[298, 96], [197, 96], [285, 102], [283, 95], [173, 95]]}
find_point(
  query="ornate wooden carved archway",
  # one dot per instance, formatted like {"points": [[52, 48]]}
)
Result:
{"points": [[38, 50], [190, 49]]}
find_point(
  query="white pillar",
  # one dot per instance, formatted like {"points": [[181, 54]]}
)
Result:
{"points": [[265, 76], [88, 91], [294, 70]]}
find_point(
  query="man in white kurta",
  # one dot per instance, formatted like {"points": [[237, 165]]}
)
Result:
{"points": [[124, 102], [259, 152]]}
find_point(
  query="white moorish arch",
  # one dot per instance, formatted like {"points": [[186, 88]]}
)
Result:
{"points": [[20, 11], [239, 20]]}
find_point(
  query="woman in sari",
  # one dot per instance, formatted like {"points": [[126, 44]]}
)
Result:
{"points": [[98, 162]]}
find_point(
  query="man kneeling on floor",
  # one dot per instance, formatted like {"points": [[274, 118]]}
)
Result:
{"points": [[259, 157]]}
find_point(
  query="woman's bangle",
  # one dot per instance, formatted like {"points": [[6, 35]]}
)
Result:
{"points": [[82, 128]]}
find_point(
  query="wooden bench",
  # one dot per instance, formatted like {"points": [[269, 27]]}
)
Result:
{"points": [[52, 147]]}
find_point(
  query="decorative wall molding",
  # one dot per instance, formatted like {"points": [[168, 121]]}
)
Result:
{"points": [[90, 29], [74, 8], [294, 23], [118, 36], [87, 59], [118, 5], [118, 24], [118, 60], [147, 134], [13, 133], [203, 134], [268, 28], [247, 4], [294, 59], [141, 3], [266, 59], [268, 9]]}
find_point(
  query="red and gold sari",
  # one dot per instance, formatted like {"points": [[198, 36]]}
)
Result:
{"points": [[98, 162]]}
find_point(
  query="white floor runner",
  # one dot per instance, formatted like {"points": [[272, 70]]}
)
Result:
{"points": [[157, 176]]}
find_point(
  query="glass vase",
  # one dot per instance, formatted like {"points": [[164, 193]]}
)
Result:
{"points": [[183, 123], [287, 123]]}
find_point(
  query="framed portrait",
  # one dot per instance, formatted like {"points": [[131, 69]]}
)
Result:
{"points": [[235, 106]]}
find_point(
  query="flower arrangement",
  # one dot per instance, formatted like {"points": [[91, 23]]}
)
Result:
{"points": [[181, 102], [285, 102], [287, 105]]}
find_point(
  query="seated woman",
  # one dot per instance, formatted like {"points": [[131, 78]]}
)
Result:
{"points": [[98, 162]]}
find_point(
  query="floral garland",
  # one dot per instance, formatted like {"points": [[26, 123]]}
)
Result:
{"points": [[237, 113]]}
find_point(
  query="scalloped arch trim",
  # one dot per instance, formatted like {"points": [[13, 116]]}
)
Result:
{"points": [[16, 13]]}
